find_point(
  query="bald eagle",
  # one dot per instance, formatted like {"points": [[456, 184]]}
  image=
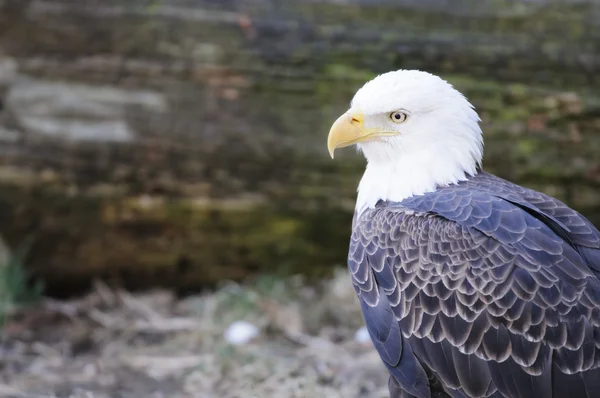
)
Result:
{"points": [[470, 286]]}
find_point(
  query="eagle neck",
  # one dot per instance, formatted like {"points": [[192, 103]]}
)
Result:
{"points": [[413, 174]]}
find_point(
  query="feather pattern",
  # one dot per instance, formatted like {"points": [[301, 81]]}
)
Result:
{"points": [[481, 289]]}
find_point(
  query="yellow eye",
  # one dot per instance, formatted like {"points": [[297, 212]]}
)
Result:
{"points": [[398, 116]]}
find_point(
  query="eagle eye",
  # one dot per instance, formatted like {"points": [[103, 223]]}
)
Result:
{"points": [[398, 116]]}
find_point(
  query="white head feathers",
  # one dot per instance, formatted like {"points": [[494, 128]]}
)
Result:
{"points": [[439, 143]]}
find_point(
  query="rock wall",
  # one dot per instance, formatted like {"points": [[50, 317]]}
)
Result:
{"points": [[183, 142]]}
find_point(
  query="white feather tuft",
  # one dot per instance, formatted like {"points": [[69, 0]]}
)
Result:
{"points": [[240, 333]]}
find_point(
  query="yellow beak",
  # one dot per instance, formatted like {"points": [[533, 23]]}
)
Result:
{"points": [[349, 129]]}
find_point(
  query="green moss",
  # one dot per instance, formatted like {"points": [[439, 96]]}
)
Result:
{"points": [[17, 288], [347, 72]]}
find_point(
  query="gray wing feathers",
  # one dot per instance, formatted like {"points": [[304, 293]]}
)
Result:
{"points": [[581, 231], [476, 293]]}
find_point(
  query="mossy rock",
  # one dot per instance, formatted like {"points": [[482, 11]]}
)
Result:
{"points": [[183, 144]]}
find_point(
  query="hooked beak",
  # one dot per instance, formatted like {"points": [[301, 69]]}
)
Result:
{"points": [[349, 129]]}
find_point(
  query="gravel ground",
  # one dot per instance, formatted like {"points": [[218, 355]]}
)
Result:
{"points": [[118, 344]]}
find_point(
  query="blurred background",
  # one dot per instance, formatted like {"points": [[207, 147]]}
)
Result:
{"points": [[171, 222]]}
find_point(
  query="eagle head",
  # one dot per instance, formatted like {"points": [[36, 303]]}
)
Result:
{"points": [[416, 131]]}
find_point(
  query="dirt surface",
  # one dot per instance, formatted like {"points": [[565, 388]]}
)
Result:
{"points": [[117, 344]]}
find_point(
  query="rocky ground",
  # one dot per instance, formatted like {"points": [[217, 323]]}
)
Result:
{"points": [[309, 343]]}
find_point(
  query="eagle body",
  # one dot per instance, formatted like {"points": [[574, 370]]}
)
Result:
{"points": [[481, 289], [470, 286]]}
